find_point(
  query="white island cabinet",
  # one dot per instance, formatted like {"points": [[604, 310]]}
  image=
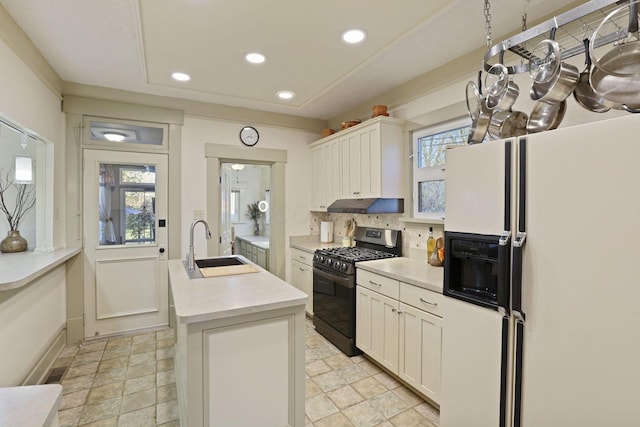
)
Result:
{"points": [[239, 352]]}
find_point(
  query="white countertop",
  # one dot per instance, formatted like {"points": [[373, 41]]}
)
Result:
{"points": [[29, 406], [197, 300], [18, 269], [310, 243], [259, 241], [408, 270]]}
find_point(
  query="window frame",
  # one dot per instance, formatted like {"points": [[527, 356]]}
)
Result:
{"points": [[436, 173]]}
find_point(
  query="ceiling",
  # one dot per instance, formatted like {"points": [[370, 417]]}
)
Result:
{"points": [[135, 45]]}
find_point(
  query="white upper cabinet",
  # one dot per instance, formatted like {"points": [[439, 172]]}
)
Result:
{"points": [[364, 161], [371, 160], [325, 169]]}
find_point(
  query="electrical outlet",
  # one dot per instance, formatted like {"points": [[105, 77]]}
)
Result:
{"points": [[198, 214]]}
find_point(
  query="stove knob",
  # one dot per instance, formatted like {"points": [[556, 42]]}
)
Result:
{"points": [[344, 267], [329, 261], [321, 259], [315, 257], [337, 265]]}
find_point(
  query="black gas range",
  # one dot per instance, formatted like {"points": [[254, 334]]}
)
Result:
{"points": [[334, 283]]}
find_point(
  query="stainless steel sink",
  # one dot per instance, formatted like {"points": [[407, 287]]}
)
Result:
{"points": [[218, 262]]}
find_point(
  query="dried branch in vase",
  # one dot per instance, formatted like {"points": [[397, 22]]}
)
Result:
{"points": [[25, 199]]}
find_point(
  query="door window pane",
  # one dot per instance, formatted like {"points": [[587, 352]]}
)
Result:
{"points": [[126, 205]]}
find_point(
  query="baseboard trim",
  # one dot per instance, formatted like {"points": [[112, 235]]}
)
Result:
{"points": [[39, 373]]}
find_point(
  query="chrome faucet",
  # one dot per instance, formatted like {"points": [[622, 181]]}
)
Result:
{"points": [[191, 262]]}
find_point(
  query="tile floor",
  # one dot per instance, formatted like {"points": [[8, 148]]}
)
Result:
{"points": [[130, 381]]}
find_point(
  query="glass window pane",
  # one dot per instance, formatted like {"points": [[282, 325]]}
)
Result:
{"points": [[431, 148], [125, 133], [431, 197], [126, 206], [235, 205], [138, 175]]}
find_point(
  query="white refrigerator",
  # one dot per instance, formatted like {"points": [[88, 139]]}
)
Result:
{"points": [[560, 345]]}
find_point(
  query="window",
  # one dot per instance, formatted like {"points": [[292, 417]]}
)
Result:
{"points": [[235, 206], [131, 217], [429, 148], [26, 175]]}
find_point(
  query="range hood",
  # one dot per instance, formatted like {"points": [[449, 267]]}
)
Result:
{"points": [[367, 206]]}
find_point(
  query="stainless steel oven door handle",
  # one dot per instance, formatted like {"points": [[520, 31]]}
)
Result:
{"points": [[338, 280]]}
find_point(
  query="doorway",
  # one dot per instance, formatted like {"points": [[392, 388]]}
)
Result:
{"points": [[125, 271], [245, 218], [219, 154]]}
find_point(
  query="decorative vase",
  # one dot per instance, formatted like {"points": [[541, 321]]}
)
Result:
{"points": [[14, 242], [256, 228]]}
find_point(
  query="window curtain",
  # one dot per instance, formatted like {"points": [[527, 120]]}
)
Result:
{"points": [[107, 183]]}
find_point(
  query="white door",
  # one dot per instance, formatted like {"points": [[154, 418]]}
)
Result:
{"points": [[225, 215], [125, 241]]}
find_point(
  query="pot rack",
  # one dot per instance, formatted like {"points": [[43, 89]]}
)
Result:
{"points": [[571, 28]]}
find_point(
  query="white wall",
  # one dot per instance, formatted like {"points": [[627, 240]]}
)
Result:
{"points": [[26, 101], [29, 322], [32, 318], [197, 132]]}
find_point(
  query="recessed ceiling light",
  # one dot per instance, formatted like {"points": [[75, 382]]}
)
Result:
{"points": [[114, 136], [181, 77], [255, 58], [285, 94], [354, 36]]}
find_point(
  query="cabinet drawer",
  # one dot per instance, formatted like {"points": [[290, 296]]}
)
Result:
{"points": [[302, 256], [380, 284], [423, 299]]}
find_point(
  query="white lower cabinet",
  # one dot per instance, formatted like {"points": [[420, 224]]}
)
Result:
{"points": [[377, 327], [403, 333], [302, 275], [421, 344]]}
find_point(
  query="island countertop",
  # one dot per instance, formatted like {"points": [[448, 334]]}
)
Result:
{"points": [[197, 300]]}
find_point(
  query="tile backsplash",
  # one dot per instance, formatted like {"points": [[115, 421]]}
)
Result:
{"points": [[414, 235]]}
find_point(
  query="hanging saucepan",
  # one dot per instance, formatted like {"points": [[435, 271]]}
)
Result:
{"points": [[480, 125], [553, 80], [501, 91], [584, 93], [546, 116], [507, 124], [478, 111], [473, 100], [616, 75]]}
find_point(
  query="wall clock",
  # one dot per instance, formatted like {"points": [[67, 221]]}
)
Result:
{"points": [[249, 136]]}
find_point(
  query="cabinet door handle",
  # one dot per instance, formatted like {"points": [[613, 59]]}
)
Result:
{"points": [[374, 283], [434, 304], [301, 257], [393, 310]]}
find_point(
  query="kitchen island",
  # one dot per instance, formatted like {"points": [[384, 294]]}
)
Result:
{"points": [[239, 350]]}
